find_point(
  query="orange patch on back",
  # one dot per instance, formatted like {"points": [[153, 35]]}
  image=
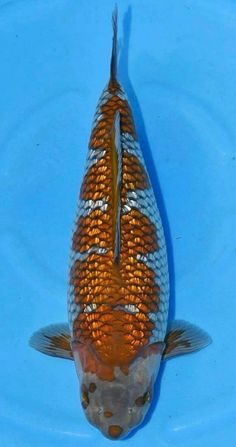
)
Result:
{"points": [[134, 175], [138, 233], [93, 229], [111, 336], [96, 185]]}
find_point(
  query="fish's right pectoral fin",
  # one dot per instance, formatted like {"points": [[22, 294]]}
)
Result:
{"points": [[53, 340]]}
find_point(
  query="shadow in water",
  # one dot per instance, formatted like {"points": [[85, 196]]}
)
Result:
{"points": [[144, 143]]}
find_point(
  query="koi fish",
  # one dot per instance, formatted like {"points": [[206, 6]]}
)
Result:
{"points": [[119, 283]]}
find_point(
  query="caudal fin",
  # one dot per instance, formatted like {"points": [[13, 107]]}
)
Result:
{"points": [[113, 69]]}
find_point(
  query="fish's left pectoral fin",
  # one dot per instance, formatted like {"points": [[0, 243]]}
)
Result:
{"points": [[53, 340], [184, 338]]}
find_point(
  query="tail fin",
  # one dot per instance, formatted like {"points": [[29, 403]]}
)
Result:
{"points": [[113, 69]]}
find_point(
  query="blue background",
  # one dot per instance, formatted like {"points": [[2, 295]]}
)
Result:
{"points": [[178, 66]]}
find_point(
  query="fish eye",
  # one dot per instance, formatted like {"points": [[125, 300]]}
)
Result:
{"points": [[130, 410], [147, 396], [144, 399]]}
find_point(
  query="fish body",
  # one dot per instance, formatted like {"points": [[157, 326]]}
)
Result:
{"points": [[119, 283]]}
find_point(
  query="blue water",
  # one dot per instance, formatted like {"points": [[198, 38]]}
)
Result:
{"points": [[178, 66]]}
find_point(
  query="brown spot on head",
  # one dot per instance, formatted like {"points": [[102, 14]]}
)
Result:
{"points": [[142, 400], [115, 431], [139, 401], [108, 414], [92, 387]]}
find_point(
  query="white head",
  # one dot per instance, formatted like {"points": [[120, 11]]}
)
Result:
{"points": [[117, 406]]}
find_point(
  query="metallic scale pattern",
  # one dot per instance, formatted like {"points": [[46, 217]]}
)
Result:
{"points": [[117, 308], [119, 285]]}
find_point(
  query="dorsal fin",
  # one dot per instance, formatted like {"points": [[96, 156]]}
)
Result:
{"points": [[113, 69], [117, 168]]}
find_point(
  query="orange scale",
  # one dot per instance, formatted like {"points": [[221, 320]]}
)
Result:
{"points": [[97, 334], [104, 241], [138, 334], [119, 102], [97, 195], [138, 232], [95, 144], [79, 272], [138, 273], [131, 186], [128, 327], [80, 282], [91, 317], [129, 318], [134, 280], [100, 132], [130, 243], [87, 298], [129, 338], [95, 231], [83, 325], [106, 218], [138, 240], [104, 108], [132, 299], [109, 112], [102, 169], [74, 278], [142, 317], [148, 288], [84, 246], [128, 176], [148, 272], [126, 230], [100, 125], [137, 343], [95, 281], [101, 178], [99, 186], [135, 288], [143, 326], [85, 290], [98, 289], [106, 318], [104, 275]]}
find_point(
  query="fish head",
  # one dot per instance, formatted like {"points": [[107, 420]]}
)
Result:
{"points": [[119, 404]]}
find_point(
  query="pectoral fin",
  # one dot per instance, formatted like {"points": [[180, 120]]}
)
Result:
{"points": [[53, 340], [184, 338]]}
